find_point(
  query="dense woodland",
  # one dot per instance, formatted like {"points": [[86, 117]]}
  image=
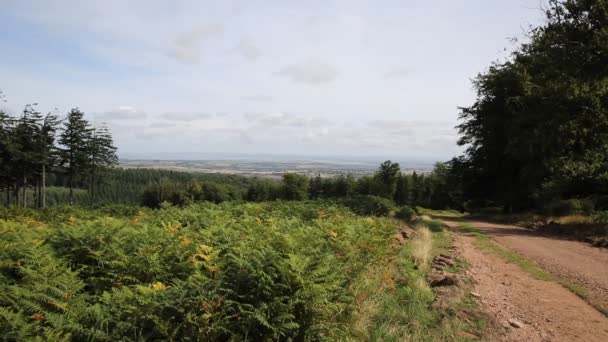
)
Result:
{"points": [[34, 146], [538, 130]]}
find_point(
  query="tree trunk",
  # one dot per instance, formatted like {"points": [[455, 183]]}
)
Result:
{"points": [[16, 190], [24, 192], [43, 194], [71, 185], [35, 197], [91, 189]]}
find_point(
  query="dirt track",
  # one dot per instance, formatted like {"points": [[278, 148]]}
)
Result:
{"points": [[546, 310]]}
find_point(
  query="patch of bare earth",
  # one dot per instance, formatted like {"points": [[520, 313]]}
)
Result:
{"points": [[527, 309]]}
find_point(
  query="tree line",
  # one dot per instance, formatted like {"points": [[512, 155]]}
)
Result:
{"points": [[538, 129], [34, 146], [387, 183]]}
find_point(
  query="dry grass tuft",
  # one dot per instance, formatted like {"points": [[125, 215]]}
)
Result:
{"points": [[575, 220], [422, 246]]}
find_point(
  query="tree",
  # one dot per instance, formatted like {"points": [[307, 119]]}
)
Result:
{"points": [[75, 141], [316, 187], [6, 153], [295, 187], [102, 156], [403, 190], [344, 186], [26, 151], [539, 126], [387, 174], [46, 151]]}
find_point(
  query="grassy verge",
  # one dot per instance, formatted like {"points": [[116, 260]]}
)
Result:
{"points": [[485, 243], [394, 299]]}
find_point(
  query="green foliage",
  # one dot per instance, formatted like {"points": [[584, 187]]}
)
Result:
{"points": [[295, 187], [601, 217], [405, 213], [538, 128], [266, 271], [370, 205], [568, 207]]}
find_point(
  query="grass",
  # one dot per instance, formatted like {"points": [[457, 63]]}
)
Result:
{"points": [[425, 211], [394, 300]]}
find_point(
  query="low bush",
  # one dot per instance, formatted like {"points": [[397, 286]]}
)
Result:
{"points": [[405, 213], [568, 207], [601, 202], [370, 205]]}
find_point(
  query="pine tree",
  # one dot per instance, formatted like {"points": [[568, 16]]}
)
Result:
{"points": [[6, 153], [46, 152], [25, 152], [75, 141], [102, 156], [316, 187], [403, 190]]}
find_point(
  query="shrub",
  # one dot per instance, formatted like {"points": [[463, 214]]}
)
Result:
{"points": [[600, 217], [601, 202], [489, 211], [568, 207], [370, 205], [476, 204], [405, 213]]}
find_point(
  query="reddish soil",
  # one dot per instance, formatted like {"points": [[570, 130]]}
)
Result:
{"points": [[535, 310]]}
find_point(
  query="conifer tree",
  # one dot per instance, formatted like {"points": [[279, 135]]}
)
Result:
{"points": [[25, 152], [102, 156], [403, 190], [6, 153], [46, 152], [75, 141]]}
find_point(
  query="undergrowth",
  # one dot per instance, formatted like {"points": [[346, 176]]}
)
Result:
{"points": [[231, 272], [394, 300]]}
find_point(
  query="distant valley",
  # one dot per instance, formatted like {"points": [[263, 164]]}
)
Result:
{"points": [[270, 168]]}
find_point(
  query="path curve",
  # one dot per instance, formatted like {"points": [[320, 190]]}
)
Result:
{"points": [[547, 311]]}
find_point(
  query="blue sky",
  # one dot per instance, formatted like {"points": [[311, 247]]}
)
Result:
{"points": [[354, 78]]}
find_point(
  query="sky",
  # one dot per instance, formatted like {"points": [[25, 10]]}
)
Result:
{"points": [[311, 78]]}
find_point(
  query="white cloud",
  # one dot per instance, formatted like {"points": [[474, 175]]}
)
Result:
{"points": [[258, 98], [186, 46], [184, 116], [397, 73], [310, 72], [122, 113], [248, 50]]}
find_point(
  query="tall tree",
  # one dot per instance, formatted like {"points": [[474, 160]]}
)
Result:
{"points": [[316, 187], [102, 156], [75, 144], [403, 190], [539, 126], [46, 151], [26, 150], [6, 154], [387, 174], [295, 187]]}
